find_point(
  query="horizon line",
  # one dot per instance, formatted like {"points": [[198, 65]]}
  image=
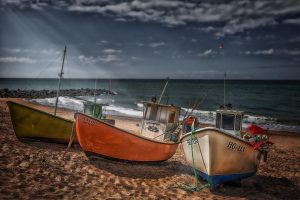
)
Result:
{"points": [[204, 79]]}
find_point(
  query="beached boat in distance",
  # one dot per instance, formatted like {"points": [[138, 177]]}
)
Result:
{"points": [[220, 154], [101, 138], [36, 124]]}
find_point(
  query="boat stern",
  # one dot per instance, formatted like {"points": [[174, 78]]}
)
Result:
{"points": [[215, 180]]}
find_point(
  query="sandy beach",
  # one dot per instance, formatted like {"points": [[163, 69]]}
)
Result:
{"points": [[39, 170]]}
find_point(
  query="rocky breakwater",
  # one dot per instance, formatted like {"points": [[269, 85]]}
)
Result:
{"points": [[33, 94]]}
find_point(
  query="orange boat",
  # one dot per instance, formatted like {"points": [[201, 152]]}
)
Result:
{"points": [[98, 137]]}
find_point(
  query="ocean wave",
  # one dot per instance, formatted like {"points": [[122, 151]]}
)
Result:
{"points": [[123, 111], [139, 105], [63, 102], [207, 117], [77, 105]]}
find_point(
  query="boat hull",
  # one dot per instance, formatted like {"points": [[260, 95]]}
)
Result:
{"points": [[216, 180], [219, 156], [36, 124], [108, 141]]}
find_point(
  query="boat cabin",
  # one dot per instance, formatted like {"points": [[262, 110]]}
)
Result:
{"points": [[160, 121], [93, 109], [230, 121]]}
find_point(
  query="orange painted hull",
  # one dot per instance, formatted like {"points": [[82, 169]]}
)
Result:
{"points": [[106, 140]]}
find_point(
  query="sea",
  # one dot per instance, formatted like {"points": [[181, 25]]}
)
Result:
{"points": [[271, 104]]}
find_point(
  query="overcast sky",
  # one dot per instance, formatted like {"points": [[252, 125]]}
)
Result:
{"points": [[151, 39]]}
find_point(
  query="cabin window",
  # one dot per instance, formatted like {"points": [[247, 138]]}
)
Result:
{"points": [[153, 112], [238, 122], [162, 115], [172, 117], [147, 112], [228, 122], [218, 120]]}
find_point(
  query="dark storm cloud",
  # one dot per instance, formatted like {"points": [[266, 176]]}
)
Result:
{"points": [[18, 60], [139, 38], [271, 51], [292, 21], [232, 16]]}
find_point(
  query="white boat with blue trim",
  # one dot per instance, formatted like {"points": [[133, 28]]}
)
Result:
{"points": [[220, 154]]}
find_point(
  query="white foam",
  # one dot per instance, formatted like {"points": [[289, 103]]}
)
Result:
{"points": [[139, 105], [195, 112], [124, 111], [77, 105], [207, 117], [63, 102]]}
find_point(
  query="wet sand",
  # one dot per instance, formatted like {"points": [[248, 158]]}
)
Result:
{"points": [[39, 170]]}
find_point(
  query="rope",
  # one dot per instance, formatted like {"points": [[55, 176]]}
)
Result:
{"points": [[209, 179], [187, 113], [71, 138], [47, 66], [193, 108], [194, 187]]}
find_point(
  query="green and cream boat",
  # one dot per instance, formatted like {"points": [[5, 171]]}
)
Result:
{"points": [[36, 124]]}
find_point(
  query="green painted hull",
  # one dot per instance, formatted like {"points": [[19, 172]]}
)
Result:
{"points": [[36, 124]]}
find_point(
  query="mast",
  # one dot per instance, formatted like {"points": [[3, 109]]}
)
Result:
{"points": [[224, 90], [109, 85], [94, 106], [162, 93], [95, 91], [60, 75]]}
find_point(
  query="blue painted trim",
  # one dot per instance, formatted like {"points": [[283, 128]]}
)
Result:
{"points": [[218, 179]]}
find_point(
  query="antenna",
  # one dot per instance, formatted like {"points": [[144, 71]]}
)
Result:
{"points": [[224, 79], [224, 88], [162, 93], [60, 75]]}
